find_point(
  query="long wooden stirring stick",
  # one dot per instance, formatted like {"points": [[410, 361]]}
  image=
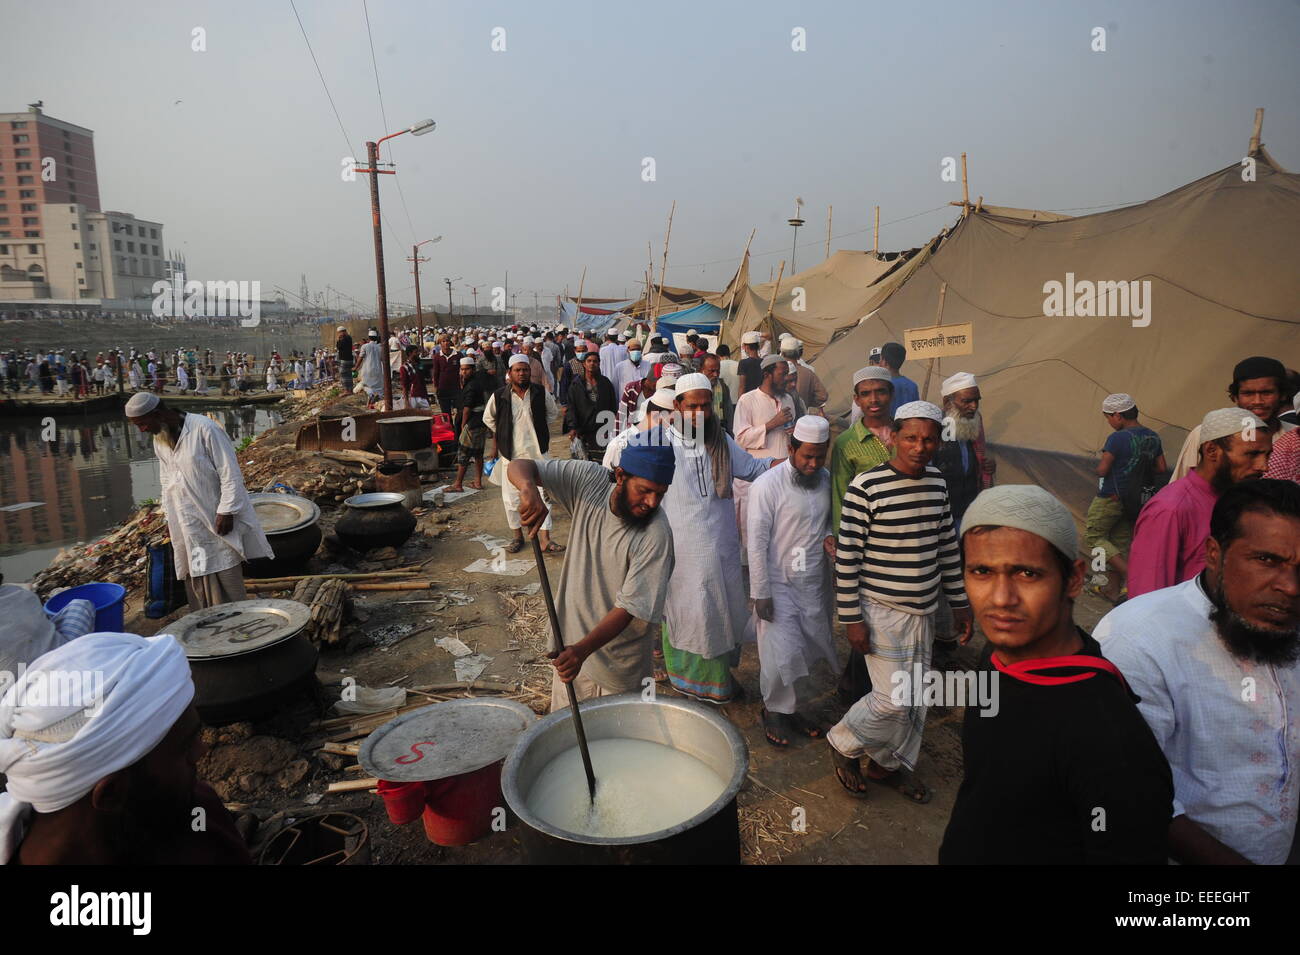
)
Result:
{"points": [[559, 648]]}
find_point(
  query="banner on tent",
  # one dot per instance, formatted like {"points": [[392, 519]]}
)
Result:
{"points": [[939, 341], [679, 341]]}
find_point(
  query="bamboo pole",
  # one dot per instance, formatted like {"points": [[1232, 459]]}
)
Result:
{"points": [[828, 232], [395, 585], [775, 288], [577, 316], [875, 242], [925, 391], [664, 270], [965, 188], [1259, 128], [732, 304]]}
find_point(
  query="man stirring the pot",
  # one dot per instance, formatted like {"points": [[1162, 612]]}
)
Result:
{"points": [[210, 516], [615, 576]]}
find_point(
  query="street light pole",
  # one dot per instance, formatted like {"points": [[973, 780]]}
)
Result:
{"points": [[419, 311], [372, 157]]}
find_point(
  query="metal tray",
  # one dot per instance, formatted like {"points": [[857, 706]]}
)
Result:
{"points": [[376, 499], [284, 513], [244, 626], [458, 736]]}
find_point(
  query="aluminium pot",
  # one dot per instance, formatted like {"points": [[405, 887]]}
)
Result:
{"points": [[711, 837], [292, 527], [247, 658], [379, 519], [407, 433]]}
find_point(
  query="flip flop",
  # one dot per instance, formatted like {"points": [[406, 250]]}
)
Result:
{"points": [[776, 725], [807, 727], [515, 546], [553, 548], [843, 764], [905, 784]]}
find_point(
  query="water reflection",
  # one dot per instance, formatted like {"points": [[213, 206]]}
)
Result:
{"points": [[89, 477]]}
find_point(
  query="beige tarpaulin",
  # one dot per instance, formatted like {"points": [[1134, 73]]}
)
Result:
{"points": [[820, 301], [1219, 255]]}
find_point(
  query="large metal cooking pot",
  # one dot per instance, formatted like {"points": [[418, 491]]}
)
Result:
{"points": [[711, 837], [379, 519], [410, 433], [247, 657], [292, 527]]}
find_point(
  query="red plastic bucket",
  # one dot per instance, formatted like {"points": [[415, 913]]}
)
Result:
{"points": [[460, 808]]}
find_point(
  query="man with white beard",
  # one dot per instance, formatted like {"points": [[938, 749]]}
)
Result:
{"points": [[961, 458], [789, 540]]}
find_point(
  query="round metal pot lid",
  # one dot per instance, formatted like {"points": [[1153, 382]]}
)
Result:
{"points": [[444, 739], [408, 419], [284, 513], [376, 499], [244, 626]]}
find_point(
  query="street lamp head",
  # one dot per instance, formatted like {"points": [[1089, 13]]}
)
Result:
{"points": [[422, 127]]}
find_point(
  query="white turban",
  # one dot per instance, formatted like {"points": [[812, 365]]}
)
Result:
{"points": [[958, 382], [872, 372], [693, 382], [812, 428], [55, 751], [467, 361], [498, 344], [517, 360], [141, 403], [1114, 404], [1228, 421], [1026, 507], [919, 409]]}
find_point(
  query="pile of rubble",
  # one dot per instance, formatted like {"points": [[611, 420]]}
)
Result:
{"points": [[121, 557]]}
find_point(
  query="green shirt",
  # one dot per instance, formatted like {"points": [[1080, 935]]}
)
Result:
{"points": [[856, 450]]}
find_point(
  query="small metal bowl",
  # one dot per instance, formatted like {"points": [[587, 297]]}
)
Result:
{"points": [[376, 499]]}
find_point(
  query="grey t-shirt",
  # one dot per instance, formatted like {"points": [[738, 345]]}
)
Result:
{"points": [[609, 563]]}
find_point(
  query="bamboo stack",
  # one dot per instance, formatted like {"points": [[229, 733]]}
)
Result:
{"points": [[325, 596]]}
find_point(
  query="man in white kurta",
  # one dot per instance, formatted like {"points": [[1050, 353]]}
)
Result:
{"points": [[762, 424], [789, 538], [706, 617], [210, 516]]}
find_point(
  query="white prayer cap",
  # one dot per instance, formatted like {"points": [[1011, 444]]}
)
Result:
{"points": [[54, 751], [612, 331], [342, 328], [1228, 421], [517, 360], [749, 338], [872, 371], [919, 409], [467, 360], [812, 428], [664, 395], [770, 360], [1113, 404], [691, 331], [790, 344], [671, 370], [1026, 507], [622, 336], [498, 344], [141, 403], [958, 382], [528, 339], [693, 382]]}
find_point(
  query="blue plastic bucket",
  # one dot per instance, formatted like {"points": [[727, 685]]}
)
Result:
{"points": [[109, 601]]}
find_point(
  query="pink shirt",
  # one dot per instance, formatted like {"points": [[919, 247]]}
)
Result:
{"points": [[1169, 538]]}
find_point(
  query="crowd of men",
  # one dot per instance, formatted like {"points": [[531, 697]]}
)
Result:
{"points": [[711, 506]]}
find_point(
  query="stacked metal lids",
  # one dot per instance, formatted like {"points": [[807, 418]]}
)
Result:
{"points": [[445, 739], [284, 513], [244, 626]]}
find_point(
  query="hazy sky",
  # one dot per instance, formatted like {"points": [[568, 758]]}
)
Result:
{"points": [[536, 163]]}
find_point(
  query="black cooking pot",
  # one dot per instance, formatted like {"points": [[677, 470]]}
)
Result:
{"points": [[408, 433], [292, 528], [375, 520]]}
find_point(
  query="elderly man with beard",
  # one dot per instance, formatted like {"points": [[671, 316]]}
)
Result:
{"points": [[1059, 735], [615, 577], [896, 543], [702, 637], [106, 774], [764, 418], [210, 516], [1169, 537], [1214, 661], [790, 541], [1259, 385]]}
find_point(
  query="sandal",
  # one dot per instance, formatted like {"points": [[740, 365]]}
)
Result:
{"points": [[907, 785], [777, 728], [553, 548], [515, 546], [848, 772], [806, 726]]}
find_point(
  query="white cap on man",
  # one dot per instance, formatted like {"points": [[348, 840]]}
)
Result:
{"points": [[958, 382], [812, 428]]}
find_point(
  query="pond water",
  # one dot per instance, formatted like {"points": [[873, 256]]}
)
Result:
{"points": [[86, 478]]}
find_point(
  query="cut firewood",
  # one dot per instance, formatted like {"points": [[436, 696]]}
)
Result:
{"points": [[352, 785]]}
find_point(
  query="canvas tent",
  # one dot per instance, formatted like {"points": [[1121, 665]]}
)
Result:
{"points": [[1219, 254], [822, 301]]}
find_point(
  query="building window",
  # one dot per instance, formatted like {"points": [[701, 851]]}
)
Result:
{"points": [[76, 245], [26, 180], [4, 250], [153, 234], [23, 166], [26, 193], [72, 209], [4, 220], [78, 265], [81, 281], [31, 220], [18, 124], [74, 226], [22, 152], [92, 247], [33, 249], [117, 245], [90, 227], [20, 138], [130, 247], [155, 250], [31, 235], [29, 207], [129, 230]]}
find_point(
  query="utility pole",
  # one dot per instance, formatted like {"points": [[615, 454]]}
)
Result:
{"points": [[451, 309], [797, 221], [419, 311], [372, 157]]}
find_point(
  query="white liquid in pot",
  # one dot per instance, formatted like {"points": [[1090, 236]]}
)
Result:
{"points": [[640, 787]]}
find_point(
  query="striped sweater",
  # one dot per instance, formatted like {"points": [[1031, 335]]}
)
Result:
{"points": [[896, 540]]}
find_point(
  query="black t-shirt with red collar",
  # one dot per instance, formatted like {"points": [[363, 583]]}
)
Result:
{"points": [[1066, 772]]}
